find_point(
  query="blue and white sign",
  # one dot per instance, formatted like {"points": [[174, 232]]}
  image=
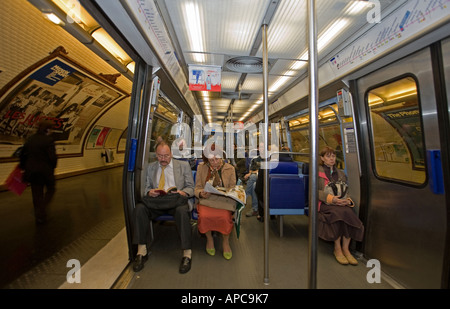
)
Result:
{"points": [[53, 72]]}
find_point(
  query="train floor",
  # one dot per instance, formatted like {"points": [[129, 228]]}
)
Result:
{"points": [[86, 223], [288, 261]]}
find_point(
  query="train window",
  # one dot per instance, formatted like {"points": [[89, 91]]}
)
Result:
{"points": [[396, 132], [166, 110], [165, 116], [329, 134]]}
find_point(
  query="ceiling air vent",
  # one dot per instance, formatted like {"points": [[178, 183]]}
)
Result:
{"points": [[245, 64]]}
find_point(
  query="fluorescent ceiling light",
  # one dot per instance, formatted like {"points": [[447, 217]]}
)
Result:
{"points": [[299, 64], [194, 29], [280, 82], [357, 7], [326, 37]]}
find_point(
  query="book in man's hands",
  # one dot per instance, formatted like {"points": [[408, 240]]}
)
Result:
{"points": [[164, 192], [237, 193]]}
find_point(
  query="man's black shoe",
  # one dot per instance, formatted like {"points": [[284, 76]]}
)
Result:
{"points": [[185, 265], [139, 262]]}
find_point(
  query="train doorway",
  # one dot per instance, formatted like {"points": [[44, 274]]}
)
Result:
{"points": [[406, 208]]}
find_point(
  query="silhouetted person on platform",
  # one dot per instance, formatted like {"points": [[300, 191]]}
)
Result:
{"points": [[38, 160]]}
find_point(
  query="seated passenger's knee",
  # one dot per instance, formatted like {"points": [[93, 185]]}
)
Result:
{"points": [[183, 210]]}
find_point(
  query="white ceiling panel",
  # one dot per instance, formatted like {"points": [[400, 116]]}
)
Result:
{"points": [[230, 81], [227, 27], [253, 84], [256, 97], [287, 31], [282, 67]]}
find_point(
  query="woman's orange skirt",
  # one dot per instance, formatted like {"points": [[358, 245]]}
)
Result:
{"points": [[214, 219]]}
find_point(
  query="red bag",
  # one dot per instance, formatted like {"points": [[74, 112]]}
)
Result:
{"points": [[14, 181]]}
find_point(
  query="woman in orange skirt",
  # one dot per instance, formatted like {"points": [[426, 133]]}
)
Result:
{"points": [[220, 174]]}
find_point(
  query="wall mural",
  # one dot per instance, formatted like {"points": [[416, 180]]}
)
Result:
{"points": [[56, 89]]}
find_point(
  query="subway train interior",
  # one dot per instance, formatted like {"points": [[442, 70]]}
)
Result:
{"points": [[368, 78]]}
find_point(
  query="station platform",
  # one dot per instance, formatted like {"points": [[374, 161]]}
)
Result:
{"points": [[85, 214]]}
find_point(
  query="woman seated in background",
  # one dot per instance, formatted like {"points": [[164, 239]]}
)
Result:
{"points": [[220, 174], [336, 219]]}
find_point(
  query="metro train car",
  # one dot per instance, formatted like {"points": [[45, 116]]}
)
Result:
{"points": [[367, 78]]}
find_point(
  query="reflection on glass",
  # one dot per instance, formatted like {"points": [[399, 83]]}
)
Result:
{"points": [[396, 127], [329, 134]]}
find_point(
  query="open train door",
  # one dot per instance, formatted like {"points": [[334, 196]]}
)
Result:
{"points": [[403, 185], [143, 104]]}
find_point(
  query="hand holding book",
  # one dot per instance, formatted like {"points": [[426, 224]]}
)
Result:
{"points": [[161, 192]]}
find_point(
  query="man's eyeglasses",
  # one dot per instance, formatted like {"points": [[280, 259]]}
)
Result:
{"points": [[166, 156]]}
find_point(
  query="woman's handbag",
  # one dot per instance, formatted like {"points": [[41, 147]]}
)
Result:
{"points": [[218, 201], [14, 181], [338, 189]]}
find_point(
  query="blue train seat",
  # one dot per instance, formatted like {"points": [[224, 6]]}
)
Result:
{"points": [[197, 162], [287, 193]]}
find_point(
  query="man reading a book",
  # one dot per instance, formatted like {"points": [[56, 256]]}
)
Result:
{"points": [[161, 198]]}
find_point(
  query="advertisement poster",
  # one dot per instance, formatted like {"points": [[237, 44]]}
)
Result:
{"points": [[102, 136], [58, 90], [205, 78], [407, 122], [92, 140]]}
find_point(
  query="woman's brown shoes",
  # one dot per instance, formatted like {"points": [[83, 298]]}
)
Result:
{"points": [[341, 259], [346, 259], [351, 260]]}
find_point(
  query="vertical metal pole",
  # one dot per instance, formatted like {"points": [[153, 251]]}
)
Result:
{"points": [[314, 141], [266, 145]]}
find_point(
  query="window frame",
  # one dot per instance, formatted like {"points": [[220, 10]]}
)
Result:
{"points": [[371, 133]]}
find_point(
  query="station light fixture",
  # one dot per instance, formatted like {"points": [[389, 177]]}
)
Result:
{"points": [[54, 19], [101, 36]]}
